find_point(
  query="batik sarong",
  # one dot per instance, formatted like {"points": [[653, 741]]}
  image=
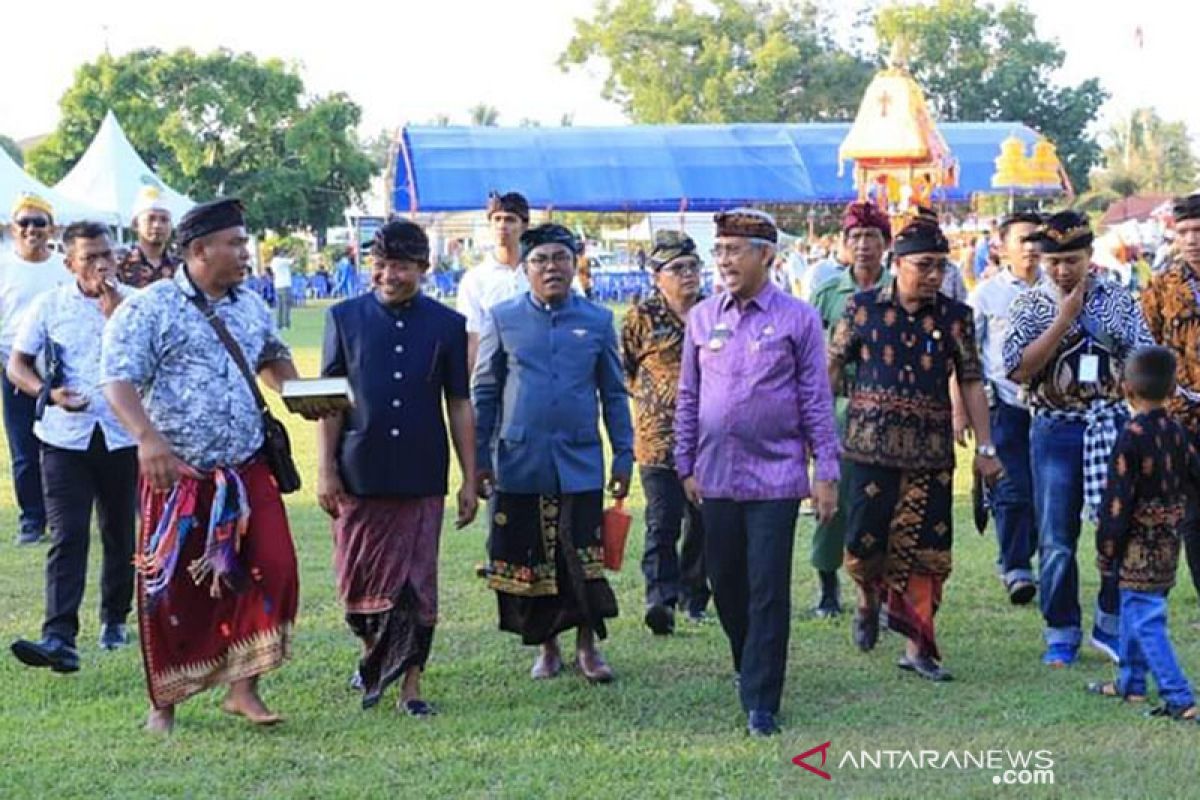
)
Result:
{"points": [[546, 563], [385, 559], [898, 541], [217, 582]]}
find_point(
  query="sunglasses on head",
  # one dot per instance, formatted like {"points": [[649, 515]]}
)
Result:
{"points": [[32, 222]]}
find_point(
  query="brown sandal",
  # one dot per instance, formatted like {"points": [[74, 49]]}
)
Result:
{"points": [[1109, 689]]}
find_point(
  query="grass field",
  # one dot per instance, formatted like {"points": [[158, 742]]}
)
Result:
{"points": [[669, 727]]}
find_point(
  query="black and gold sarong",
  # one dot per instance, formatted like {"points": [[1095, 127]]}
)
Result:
{"points": [[546, 563], [898, 540]]}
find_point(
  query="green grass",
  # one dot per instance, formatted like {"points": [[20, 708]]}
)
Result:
{"points": [[669, 727]]}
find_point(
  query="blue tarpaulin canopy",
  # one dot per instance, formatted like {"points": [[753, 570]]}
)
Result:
{"points": [[657, 167]]}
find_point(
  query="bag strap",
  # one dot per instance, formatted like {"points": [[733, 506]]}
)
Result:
{"points": [[234, 349]]}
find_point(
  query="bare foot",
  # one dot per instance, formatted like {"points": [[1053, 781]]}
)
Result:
{"points": [[248, 704], [161, 720]]}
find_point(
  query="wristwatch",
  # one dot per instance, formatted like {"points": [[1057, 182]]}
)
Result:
{"points": [[986, 450]]}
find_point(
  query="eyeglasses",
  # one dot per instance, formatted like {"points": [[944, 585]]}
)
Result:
{"points": [[731, 250], [32, 222], [681, 269], [928, 267], [560, 259]]}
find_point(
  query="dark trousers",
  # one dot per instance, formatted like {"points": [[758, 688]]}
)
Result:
{"points": [[1012, 498], [74, 480], [748, 551], [1189, 531], [672, 577], [25, 450]]}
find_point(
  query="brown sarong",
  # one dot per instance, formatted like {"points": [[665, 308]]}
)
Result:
{"points": [[385, 558], [192, 640]]}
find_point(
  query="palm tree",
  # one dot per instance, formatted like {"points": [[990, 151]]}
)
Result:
{"points": [[484, 115]]}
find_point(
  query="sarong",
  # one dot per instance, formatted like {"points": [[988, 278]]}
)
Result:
{"points": [[546, 563], [385, 559], [898, 542], [201, 630]]}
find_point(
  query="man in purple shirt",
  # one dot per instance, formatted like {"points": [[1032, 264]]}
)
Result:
{"points": [[754, 403]]}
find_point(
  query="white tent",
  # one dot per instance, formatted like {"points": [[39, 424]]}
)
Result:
{"points": [[110, 174], [15, 181]]}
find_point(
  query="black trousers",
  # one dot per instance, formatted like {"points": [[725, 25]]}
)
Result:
{"points": [[74, 480], [748, 550], [673, 577], [1189, 531], [24, 449]]}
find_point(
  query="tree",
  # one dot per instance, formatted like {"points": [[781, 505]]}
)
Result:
{"points": [[979, 63], [746, 60], [484, 115], [220, 124], [14, 151], [1143, 154]]}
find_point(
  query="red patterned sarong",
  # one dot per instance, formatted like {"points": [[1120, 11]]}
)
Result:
{"points": [[199, 632]]}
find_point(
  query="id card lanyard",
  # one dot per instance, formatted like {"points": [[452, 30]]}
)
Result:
{"points": [[1089, 362]]}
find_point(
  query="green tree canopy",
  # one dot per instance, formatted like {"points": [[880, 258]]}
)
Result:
{"points": [[9, 146], [220, 124], [746, 60], [980, 63], [1143, 154]]}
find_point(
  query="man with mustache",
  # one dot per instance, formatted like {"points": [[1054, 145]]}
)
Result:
{"points": [[906, 340], [754, 407], [402, 353], [866, 232], [219, 587], [652, 340], [28, 270], [87, 456], [548, 367]]}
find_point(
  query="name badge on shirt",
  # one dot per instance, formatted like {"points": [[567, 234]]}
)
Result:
{"points": [[720, 334], [1089, 368]]}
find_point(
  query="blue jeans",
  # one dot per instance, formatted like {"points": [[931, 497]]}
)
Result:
{"points": [[1145, 646], [26, 453], [1012, 497], [674, 575], [1056, 452], [748, 552]]}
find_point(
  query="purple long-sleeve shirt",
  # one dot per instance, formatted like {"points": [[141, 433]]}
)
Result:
{"points": [[754, 399]]}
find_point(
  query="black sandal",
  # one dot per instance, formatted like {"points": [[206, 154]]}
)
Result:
{"points": [[865, 629], [1189, 714], [1109, 689], [418, 708]]}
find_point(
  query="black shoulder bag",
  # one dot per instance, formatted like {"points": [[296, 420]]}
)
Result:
{"points": [[277, 447]]}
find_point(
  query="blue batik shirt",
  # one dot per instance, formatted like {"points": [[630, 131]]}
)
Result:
{"points": [[193, 392]]}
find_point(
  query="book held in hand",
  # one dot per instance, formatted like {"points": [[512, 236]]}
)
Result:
{"points": [[317, 395]]}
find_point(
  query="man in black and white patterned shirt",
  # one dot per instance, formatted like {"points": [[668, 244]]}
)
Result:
{"points": [[1067, 343]]}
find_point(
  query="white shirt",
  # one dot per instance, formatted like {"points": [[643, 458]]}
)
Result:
{"points": [[485, 285], [282, 267], [992, 302], [20, 282], [75, 323]]}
